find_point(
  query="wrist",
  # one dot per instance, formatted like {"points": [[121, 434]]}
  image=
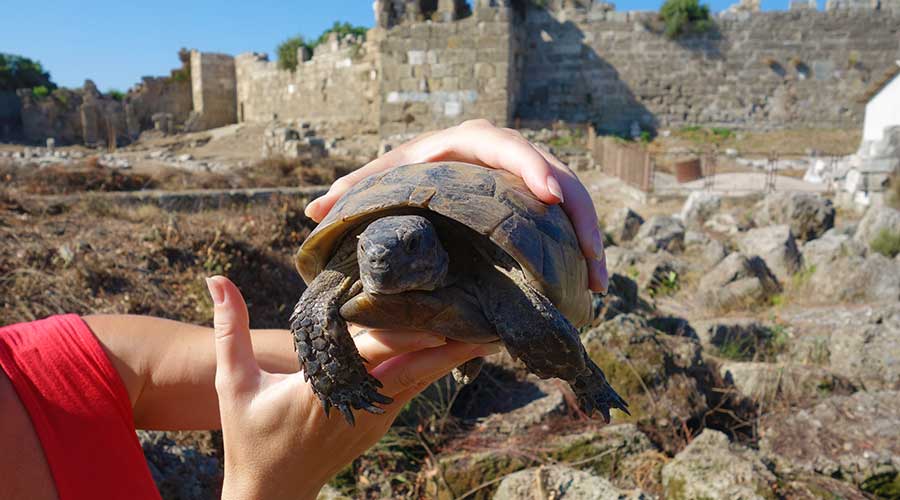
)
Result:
{"points": [[258, 487]]}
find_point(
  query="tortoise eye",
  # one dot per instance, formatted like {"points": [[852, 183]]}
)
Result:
{"points": [[412, 244]]}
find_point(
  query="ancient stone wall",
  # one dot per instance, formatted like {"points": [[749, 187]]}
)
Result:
{"points": [[158, 95], [339, 84], [10, 114], [213, 84], [435, 75], [765, 70]]}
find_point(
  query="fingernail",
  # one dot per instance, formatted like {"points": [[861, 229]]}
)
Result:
{"points": [[215, 291], [554, 188], [597, 243], [599, 267], [309, 207], [487, 349]]}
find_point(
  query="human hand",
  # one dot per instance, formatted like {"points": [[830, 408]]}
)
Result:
{"points": [[481, 143], [278, 441]]}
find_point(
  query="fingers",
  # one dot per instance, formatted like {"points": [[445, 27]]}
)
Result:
{"points": [[481, 143], [236, 367], [378, 346], [476, 141], [416, 370], [579, 206]]}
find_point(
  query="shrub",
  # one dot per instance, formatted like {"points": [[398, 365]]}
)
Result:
{"points": [[722, 132], [683, 16], [17, 72], [886, 243], [40, 91], [287, 52], [342, 30], [117, 95]]}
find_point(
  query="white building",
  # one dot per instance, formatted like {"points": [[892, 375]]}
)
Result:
{"points": [[878, 157], [883, 106]]}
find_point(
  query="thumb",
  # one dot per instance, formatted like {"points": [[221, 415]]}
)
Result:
{"points": [[236, 367]]}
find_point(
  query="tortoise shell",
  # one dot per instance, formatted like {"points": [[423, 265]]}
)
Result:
{"points": [[492, 202]]}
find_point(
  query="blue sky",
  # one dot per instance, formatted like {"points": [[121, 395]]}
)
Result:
{"points": [[115, 43]]}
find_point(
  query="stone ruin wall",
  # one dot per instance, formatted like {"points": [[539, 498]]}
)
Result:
{"points": [[338, 85], [85, 116], [434, 75], [588, 64], [576, 61], [214, 90], [760, 71]]}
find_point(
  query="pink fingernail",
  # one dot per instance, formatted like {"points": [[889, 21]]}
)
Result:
{"points": [[215, 291], [554, 188]]}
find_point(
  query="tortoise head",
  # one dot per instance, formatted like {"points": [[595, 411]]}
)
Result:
{"points": [[399, 254]]}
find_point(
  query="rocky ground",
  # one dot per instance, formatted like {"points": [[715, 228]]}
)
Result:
{"points": [[756, 339]]}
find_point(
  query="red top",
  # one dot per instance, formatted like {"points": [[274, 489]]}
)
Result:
{"points": [[79, 409]]}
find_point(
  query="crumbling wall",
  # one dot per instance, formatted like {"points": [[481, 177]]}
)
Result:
{"points": [[338, 85], [156, 95], [213, 84], [10, 114], [765, 70], [80, 116], [436, 74]]}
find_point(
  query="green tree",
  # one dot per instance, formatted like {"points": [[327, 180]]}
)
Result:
{"points": [[17, 72], [342, 30], [683, 16], [287, 52]]}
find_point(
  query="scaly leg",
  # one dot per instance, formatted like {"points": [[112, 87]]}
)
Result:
{"points": [[328, 356], [533, 330]]}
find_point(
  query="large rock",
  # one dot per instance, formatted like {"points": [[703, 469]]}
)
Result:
{"points": [[184, 465], [859, 343], [742, 340], [808, 214], [661, 232], [724, 224], [560, 482], [712, 468], [831, 246], [775, 245], [853, 438], [853, 278], [699, 207], [738, 282], [660, 273], [623, 225], [656, 373], [603, 453], [624, 260], [876, 220], [622, 298], [781, 382]]}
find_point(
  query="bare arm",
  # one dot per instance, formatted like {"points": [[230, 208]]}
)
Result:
{"points": [[169, 367]]}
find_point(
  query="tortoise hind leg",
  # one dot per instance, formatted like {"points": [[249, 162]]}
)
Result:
{"points": [[328, 356], [535, 331]]}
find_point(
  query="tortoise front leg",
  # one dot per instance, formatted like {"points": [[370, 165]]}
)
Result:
{"points": [[327, 353]]}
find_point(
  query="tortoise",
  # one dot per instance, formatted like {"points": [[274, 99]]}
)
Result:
{"points": [[458, 249]]}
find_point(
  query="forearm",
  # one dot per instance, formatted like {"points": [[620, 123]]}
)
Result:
{"points": [[169, 367]]}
